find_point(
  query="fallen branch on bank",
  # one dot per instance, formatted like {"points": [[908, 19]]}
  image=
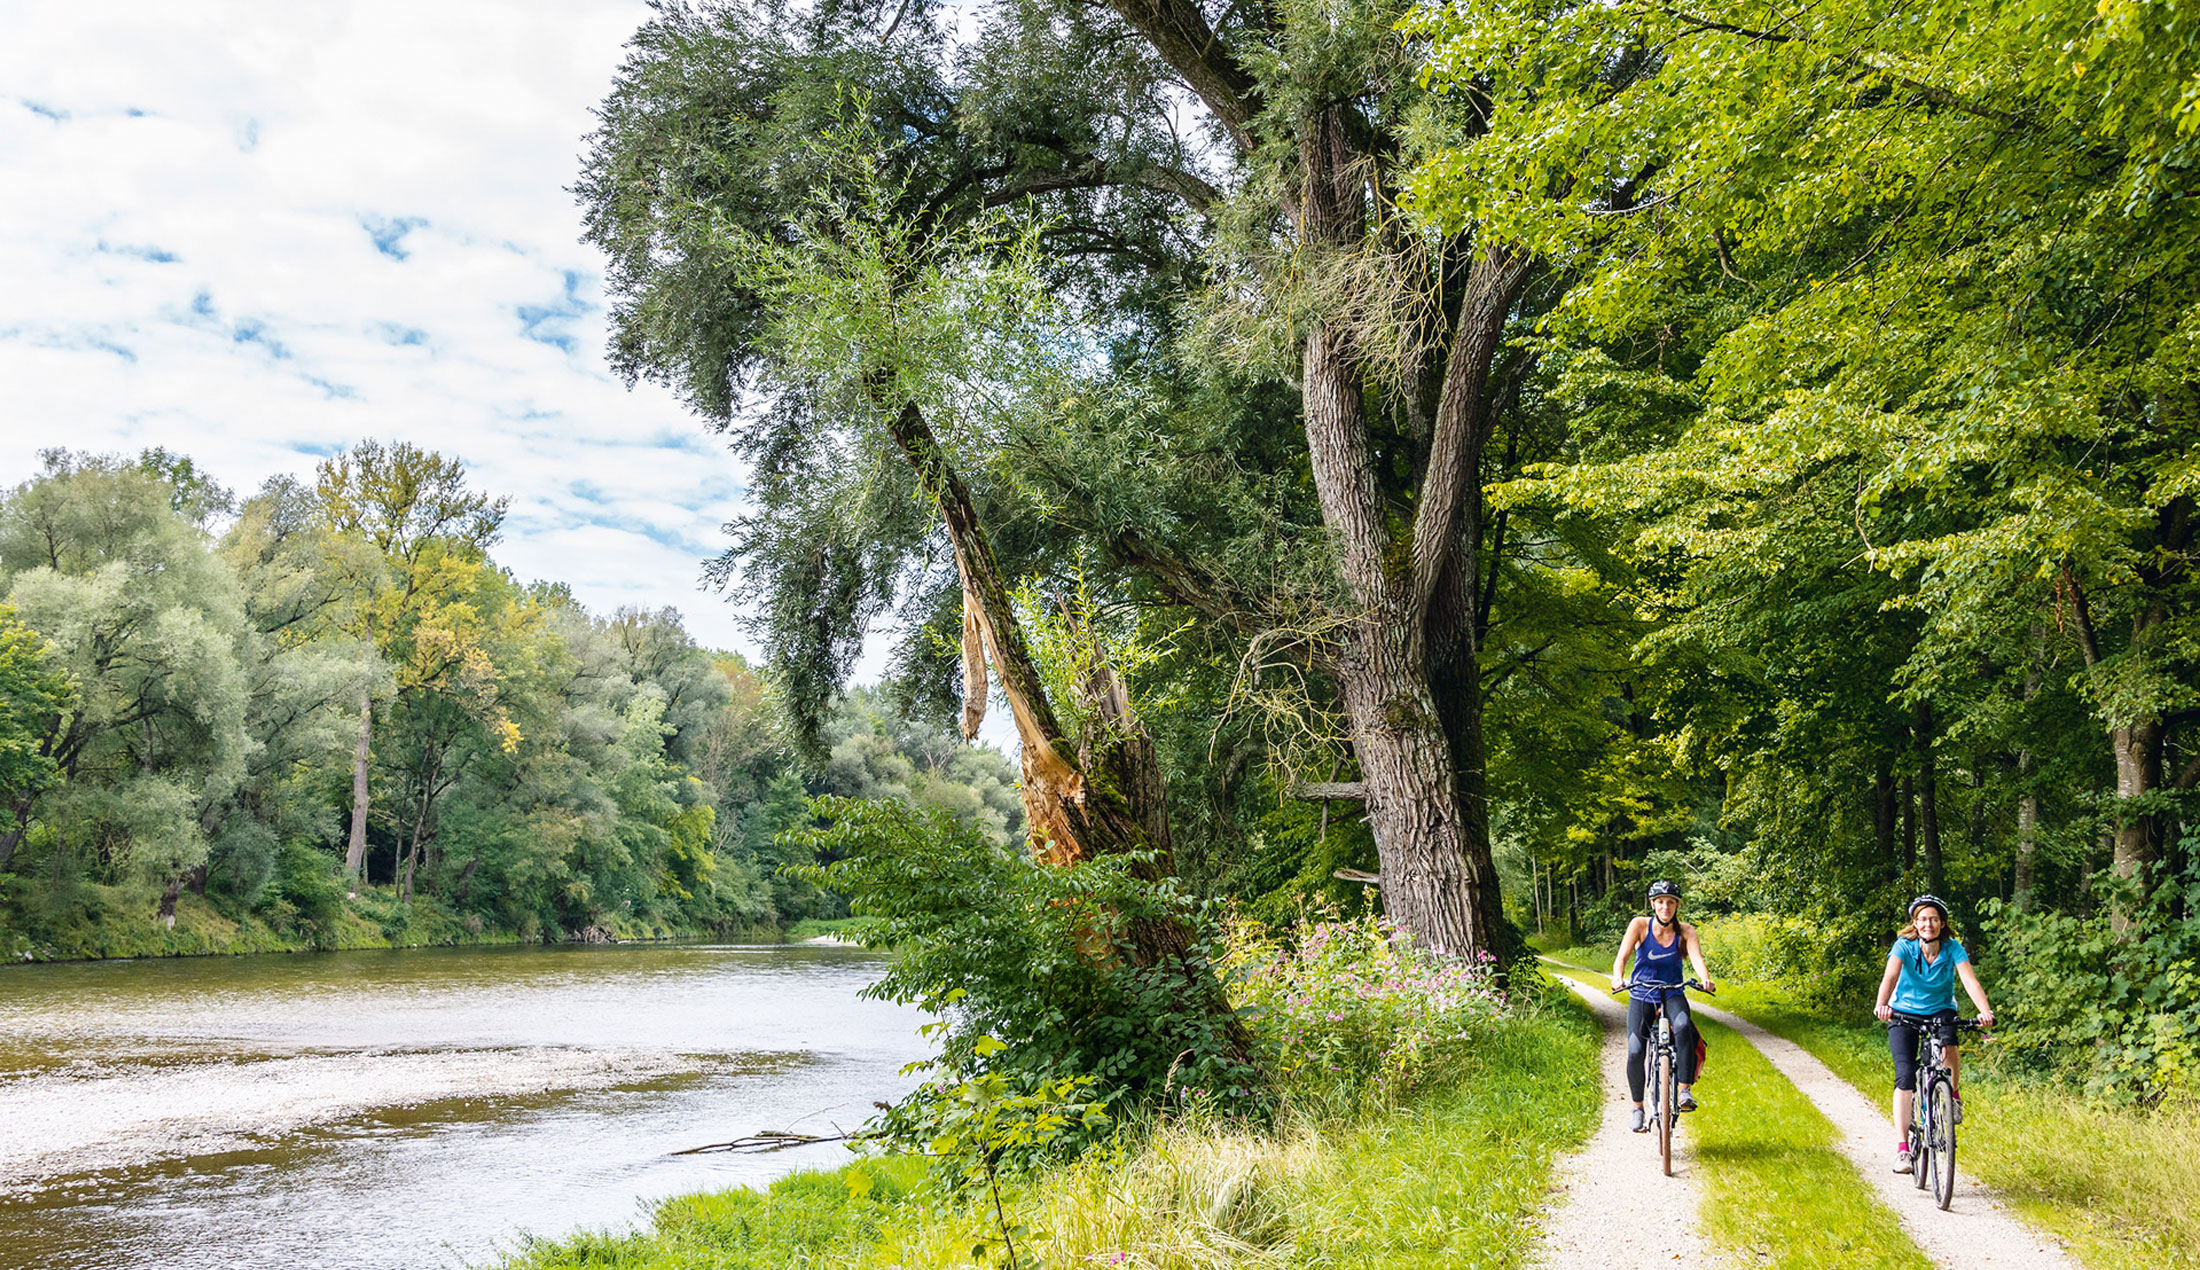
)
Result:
{"points": [[775, 1140]]}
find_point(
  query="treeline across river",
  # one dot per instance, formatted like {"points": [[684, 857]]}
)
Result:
{"points": [[224, 716]]}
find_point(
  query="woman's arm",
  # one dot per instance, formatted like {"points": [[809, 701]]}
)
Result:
{"points": [[1626, 945], [1886, 987], [1695, 954], [1978, 993]]}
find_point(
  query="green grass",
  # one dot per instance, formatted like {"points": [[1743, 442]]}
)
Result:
{"points": [[1452, 1179], [2120, 1185], [1777, 1191]]}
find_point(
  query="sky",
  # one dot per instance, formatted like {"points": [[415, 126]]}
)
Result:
{"points": [[257, 232]]}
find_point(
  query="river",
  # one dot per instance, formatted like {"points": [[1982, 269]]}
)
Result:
{"points": [[419, 1108]]}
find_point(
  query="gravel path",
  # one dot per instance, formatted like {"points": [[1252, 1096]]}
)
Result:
{"points": [[1612, 1208], [1976, 1231]]}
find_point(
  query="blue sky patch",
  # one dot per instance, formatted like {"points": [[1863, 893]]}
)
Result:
{"points": [[139, 251], [44, 111], [254, 331], [402, 336], [388, 233], [546, 323]]}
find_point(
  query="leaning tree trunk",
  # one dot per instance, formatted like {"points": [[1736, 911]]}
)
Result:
{"points": [[1103, 800], [355, 855]]}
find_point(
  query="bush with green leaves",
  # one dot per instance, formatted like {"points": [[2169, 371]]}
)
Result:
{"points": [[1350, 1012], [2118, 1010], [1029, 966]]}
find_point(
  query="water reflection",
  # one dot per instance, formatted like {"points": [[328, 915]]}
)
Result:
{"points": [[411, 1108]]}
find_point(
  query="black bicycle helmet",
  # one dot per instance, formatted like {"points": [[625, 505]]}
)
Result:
{"points": [[1663, 887], [1933, 900]]}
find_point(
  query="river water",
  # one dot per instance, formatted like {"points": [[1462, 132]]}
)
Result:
{"points": [[419, 1108]]}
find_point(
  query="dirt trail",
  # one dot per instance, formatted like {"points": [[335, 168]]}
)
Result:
{"points": [[1614, 1209], [1976, 1231]]}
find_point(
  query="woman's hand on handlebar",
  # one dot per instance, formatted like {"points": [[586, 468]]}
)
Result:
{"points": [[1618, 986], [1883, 1012], [1708, 987]]}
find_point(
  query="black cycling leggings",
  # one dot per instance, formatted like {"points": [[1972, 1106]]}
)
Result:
{"points": [[1641, 1021], [1905, 1038]]}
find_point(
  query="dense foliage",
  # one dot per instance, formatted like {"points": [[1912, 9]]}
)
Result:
{"points": [[183, 676]]}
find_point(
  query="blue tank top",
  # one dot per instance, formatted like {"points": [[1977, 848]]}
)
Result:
{"points": [[1657, 964]]}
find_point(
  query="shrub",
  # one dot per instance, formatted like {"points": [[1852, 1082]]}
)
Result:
{"points": [[1350, 1012], [2119, 1011], [1029, 966]]}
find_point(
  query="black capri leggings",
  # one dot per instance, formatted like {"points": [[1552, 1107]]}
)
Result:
{"points": [[1641, 1019], [1904, 1039]]}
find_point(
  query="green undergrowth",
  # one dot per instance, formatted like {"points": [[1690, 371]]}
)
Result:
{"points": [[2119, 1184], [1450, 1177], [1777, 1191]]}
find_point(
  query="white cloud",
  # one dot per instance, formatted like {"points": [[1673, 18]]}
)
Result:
{"points": [[256, 232]]}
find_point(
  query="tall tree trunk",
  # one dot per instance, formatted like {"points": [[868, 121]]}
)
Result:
{"points": [[1928, 801], [2028, 838], [1883, 816], [13, 838], [166, 913], [2028, 799], [2138, 749], [355, 855], [1909, 825]]}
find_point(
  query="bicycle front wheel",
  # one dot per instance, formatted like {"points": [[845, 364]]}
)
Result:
{"points": [[1666, 1109], [1943, 1134]]}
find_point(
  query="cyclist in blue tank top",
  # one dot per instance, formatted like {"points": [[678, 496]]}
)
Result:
{"points": [[1920, 983], [1658, 942]]}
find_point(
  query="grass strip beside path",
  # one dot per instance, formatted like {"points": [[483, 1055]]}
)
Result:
{"points": [[1777, 1191]]}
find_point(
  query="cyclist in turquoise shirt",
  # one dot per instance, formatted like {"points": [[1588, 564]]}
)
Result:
{"points": [[1920, 983]]}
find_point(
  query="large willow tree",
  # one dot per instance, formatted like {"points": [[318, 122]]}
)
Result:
{"points": [[1217, 188]]}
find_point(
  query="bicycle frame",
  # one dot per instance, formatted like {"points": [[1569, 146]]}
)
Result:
{"points": [[1932, 1143], [1660, 1061]]}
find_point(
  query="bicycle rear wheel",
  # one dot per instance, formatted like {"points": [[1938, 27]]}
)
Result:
{"points": [[1943, 1134], [1666, 1109]]}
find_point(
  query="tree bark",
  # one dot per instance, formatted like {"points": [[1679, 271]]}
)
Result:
{"points": [[1928, 801], [1883, 816], [355, 855], [1909, 825]]}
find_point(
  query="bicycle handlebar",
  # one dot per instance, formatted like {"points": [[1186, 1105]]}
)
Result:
{"points": [[1926, 1020], [1633, 984]]}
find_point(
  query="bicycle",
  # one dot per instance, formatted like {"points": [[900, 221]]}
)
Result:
{"points": [[1933, 1111], [1661, 1063]]}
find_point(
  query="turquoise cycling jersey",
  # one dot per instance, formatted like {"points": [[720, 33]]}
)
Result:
{"points": [[1926, 986]]}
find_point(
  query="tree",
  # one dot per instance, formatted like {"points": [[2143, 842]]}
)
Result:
{"points": [[33, 697], [1924, 274], [1393, 332], [148, 624], [412, 538]]}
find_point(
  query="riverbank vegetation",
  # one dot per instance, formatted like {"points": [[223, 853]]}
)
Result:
{"points": [[323, 717], [1411, 1117]]}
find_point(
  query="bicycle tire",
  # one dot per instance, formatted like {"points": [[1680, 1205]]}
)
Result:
{"points": [[1666, 1109], [1944, 1143], [1921, 1147]]}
